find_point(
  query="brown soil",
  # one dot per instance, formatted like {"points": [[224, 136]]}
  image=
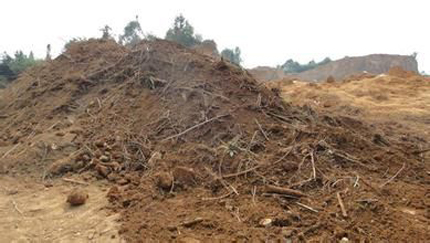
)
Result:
{"points": [[241, 163], [31, 211]]}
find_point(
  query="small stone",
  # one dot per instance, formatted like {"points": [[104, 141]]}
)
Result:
{"points": [[102, 170], [104, 158], [164, 180], [122, 181], [344, 240], [184, 176], [86, 158], [99, 143], [77, 197], [266, 222]]}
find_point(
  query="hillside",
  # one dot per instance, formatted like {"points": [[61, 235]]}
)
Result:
{"points": [[342, 68], [373, 64]]}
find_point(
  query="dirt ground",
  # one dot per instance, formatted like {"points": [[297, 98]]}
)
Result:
{"points": [[398, 102], [194, 149], [34, 212]]}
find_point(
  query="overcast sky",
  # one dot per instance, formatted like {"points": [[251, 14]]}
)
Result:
{"points": [[268, 32]]}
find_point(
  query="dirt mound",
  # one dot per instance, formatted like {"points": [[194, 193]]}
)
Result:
{"points": [[199, 150], [401, 73]]}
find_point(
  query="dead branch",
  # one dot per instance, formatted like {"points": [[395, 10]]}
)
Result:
{"points": [[261, 129], [224, 183], [74, 181], [421, 151], [241, 172], [9, 151], [16, 208], [307, 207], [370, 185], [314, 173], [394, 176], [283, 190], [195, 126], [342, 206]]}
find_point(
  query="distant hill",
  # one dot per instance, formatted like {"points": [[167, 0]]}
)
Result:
{"points": [[342, 68], [374, 64]]}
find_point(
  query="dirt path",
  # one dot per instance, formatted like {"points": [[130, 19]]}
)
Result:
{"points": [[31, 212]]}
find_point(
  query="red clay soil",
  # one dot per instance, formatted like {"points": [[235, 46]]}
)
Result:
{"points": [[196, 150]]}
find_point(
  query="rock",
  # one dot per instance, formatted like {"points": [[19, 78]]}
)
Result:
{"points": [[77, 197], [344, 240], [102, 170], [86, 158], [266, 222], [188, 240], [114, 194], [61, 166], [122, 181], [164, 180], [104, 158], [184, 176], [99, 143]]}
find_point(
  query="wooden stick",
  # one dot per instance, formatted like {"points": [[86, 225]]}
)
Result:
{"points": [[261, 129], [9, 151], [307, 207], [196, 126], [241, 172], [421, 151], [342, 206], [283, 190], [74, 181], [313, 165], [16, 208], [394, 176]]}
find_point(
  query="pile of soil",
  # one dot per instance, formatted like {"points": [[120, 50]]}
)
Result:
{"points": [[196, 149]]}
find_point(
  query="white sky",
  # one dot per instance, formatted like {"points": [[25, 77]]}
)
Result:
{"points": [[268, 32]]}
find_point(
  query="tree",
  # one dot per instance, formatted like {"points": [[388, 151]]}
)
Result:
{"points": [[106, 35], [291, 66], [183, 33], [11, 67], [232, 55], [132, 33]]}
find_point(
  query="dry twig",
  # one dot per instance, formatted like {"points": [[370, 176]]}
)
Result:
{"points": [[307, 207], [393, 177], [283, 190], [196, 126], [74, 181], [342, 206], [16, 208], [261, 129], [241, 172]]}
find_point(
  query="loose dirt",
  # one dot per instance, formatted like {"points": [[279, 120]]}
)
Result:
{"points": [[32, 212], [195, 149]]}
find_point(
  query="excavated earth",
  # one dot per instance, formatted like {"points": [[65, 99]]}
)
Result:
{"points": [[195, 150]]}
